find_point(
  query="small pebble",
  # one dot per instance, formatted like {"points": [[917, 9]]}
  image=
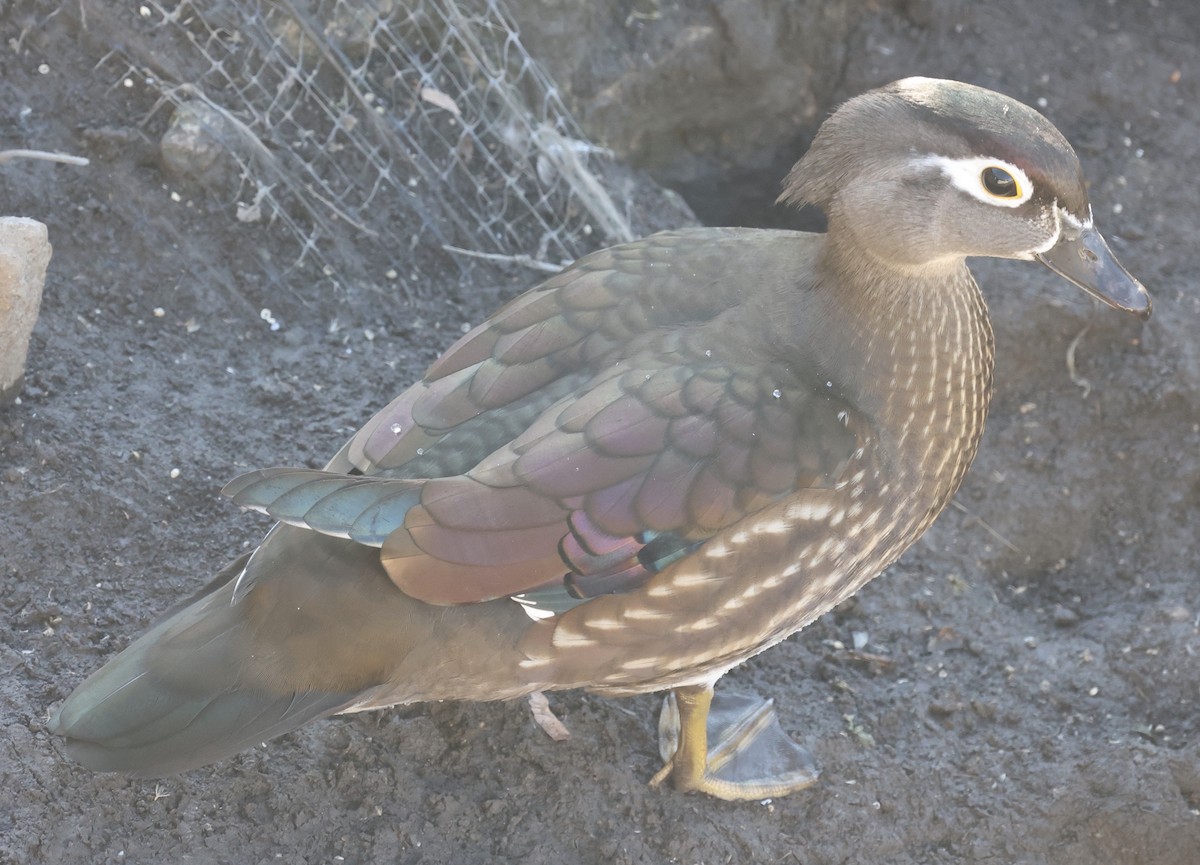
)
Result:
{"points": [[1064, 616]]}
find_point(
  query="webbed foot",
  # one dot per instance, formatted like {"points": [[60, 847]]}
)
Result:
{"points": [[729, 746]]}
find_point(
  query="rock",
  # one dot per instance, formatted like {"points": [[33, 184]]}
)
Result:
{"points": [[24, 256], [202, 145], [693, 91]]}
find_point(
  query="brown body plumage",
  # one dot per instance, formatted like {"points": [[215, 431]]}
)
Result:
{"points": [[651, 467]]}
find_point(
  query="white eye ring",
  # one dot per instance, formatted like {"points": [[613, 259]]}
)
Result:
{"points": [[967, 175]]}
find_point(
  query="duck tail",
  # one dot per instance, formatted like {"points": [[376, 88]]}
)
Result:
{"points": [[179, 698]]}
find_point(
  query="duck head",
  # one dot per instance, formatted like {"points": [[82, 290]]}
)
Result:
{"points": [[924, 173]]}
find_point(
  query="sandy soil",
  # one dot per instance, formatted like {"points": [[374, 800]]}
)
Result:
{"points": [[1029, 691]]}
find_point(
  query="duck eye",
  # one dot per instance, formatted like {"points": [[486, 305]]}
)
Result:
{"points": [[999, 182]]}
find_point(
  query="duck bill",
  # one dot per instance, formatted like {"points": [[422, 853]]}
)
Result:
{"points": [[1082, 256]]}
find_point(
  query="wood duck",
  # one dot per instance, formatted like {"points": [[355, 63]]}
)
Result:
{"points": [[652, 466]]}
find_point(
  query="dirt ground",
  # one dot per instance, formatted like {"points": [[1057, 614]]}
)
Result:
{"points": [[1029, 689]]}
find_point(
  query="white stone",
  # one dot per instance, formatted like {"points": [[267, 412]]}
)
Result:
{"points": [[24, 256]]}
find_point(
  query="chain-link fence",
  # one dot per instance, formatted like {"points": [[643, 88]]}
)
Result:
{"points": [[394, 131]]}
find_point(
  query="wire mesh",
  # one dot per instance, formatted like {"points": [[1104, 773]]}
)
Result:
{"points": [[406, 129]]}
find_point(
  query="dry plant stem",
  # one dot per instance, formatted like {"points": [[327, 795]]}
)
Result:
{"points": [[1076, 378], [41, 155]]}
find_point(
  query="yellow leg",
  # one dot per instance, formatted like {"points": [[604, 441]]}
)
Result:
{"points": [[750, 756], [690, 760]]}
